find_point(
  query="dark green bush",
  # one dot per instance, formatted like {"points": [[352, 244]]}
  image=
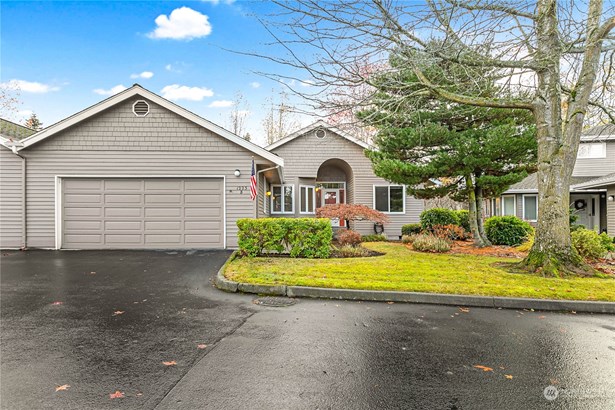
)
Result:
{"points": [[608, 243], [507, 230], [438, 216], [300, 237], [588, 243], [374, 238], [411, 229], [464, 219]]}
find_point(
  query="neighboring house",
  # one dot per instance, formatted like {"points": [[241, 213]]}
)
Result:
{"points": [[12, 131], [324, 165], [136, 171], [592, 191]]}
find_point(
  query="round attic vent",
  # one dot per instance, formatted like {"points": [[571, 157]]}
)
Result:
{"points": [[320, 133], [140, 108]]}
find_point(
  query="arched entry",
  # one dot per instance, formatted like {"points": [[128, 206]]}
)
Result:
{"points": [[334, 184]]}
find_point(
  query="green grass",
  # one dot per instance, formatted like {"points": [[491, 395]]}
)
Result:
{"points": [[401, 269]]}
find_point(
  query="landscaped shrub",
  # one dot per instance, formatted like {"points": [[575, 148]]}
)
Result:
{"points": [[449, 232], [588, 243], [374, 238], [464, 219], [507, 230], [430, 243], [608, 243], [438, 216], [349, 251], [408, 239], [410, 229], [300, 237], [348, 237]]}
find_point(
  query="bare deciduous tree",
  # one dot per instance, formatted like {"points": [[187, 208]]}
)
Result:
{"points": [[237, 117], [280, 120], [552, 57]]}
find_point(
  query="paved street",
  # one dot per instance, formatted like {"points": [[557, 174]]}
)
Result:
{"points": [[61, 326]]}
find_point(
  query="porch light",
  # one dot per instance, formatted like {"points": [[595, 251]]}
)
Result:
{"points": [[237, 173], [317, 189], [268, 193], [611, 197]]}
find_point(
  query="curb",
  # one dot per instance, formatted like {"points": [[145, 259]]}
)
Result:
{"points": [[412, 297]]}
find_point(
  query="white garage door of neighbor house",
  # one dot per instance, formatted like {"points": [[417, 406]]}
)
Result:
{"points": [[142, 213]]}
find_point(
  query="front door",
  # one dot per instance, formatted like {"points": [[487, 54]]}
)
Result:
{"points": [[332, 197], [587, 209]]}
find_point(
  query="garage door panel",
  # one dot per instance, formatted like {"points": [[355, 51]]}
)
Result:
{"points": [[163, 212], [142, 213], [123, 199], [71, 212], [123, 212]]}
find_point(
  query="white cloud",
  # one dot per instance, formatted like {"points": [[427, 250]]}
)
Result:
{"points": [[145, 74], [255, 84], [30, 86], [220, 104], [306, 83], [112, 91], [182, 24], [182, 92]]}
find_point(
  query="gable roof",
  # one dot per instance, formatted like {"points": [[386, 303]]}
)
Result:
{"points": [[138, 90], [599, 133], [599, 182], [11, 130], [529, 185], [317, 124]]}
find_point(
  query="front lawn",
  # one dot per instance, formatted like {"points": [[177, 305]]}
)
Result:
{"points": [[401, 269]]}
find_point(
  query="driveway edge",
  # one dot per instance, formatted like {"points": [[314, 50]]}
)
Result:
{"points": [[222, 283]]}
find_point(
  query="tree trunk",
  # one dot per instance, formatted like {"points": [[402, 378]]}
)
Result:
{"points": [[473, 215], [479, 216]]}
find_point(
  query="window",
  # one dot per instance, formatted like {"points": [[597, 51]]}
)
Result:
{"points": [[530, 207], [282, 199], [508, 205], [307, 199], [592, 150], [389, 199]]}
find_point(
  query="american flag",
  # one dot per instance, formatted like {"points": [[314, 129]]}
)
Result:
{"points": [[253, 183]]}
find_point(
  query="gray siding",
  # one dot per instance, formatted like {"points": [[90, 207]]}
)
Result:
{"points": [[610, 212], [116, 143], [304, 155], [11, 195], [595, 167]]}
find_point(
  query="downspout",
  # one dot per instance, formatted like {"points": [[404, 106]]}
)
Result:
{"points": [[258, 181], [24, 213]]}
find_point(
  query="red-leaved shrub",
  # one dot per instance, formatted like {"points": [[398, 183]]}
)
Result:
{"points": [[348, 237]]}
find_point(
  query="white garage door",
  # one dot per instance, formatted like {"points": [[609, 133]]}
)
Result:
{"points": [[144, 213]]}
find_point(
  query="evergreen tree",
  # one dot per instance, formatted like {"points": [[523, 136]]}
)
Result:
{"points": [[438, 148], [34, 123]]}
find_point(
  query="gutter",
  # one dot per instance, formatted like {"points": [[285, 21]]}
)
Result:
{"points": [[24, 202]]}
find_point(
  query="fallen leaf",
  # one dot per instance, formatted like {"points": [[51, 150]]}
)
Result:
{"points": [[171, 363], [201, 346], [502, 367], [390, 303], [92, 273], [541, 317], [63, 387], [58, 303], [483, 368], [139, 394], [508, 376], [118, 312], [464, 310], [117, 395]]}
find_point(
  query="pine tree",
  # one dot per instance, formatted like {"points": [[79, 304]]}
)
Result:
{"points": [[34, 123]]}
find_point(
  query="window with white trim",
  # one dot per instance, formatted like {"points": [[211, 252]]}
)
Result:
{"points": [[307, 199], [282, 199], [390, 199], [530, 207], [508, 205], [592, 150]]}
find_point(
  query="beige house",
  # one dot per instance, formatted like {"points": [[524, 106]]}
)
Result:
{"points": [[592, 193], [136, 171]]}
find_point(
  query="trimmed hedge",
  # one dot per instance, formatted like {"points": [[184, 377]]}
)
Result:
{"points": [[374, 238], [300, 237], [507, 230], [464, 219], [411, 229], [438, 216]]}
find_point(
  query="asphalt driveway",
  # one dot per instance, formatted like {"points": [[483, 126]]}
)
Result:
{"points": [[105, 321]]}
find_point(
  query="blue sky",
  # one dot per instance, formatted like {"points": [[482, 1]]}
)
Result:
{"points": [[66, 56]]}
